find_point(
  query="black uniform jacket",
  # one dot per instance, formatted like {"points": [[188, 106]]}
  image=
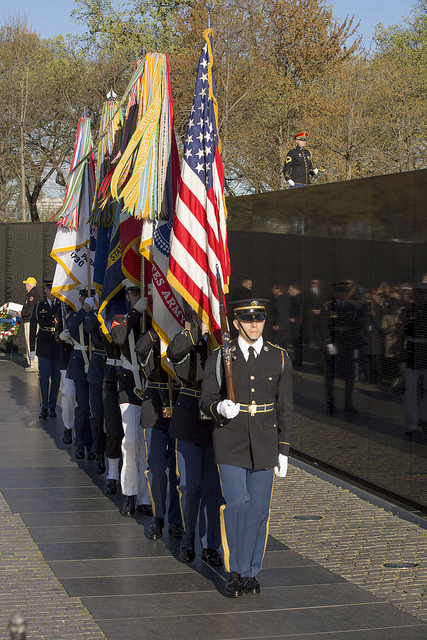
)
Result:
{"points": [[154, 400], [77, 368], [45, 327], [188, 352], [413, 341], [32, 298], [121, 328], [91, 324], [298, 165], [340, 324], [252, 441]]}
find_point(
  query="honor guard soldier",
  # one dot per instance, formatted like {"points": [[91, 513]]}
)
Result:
{"points": [[413, 353], [95, 376], [112, 417], [78, 366], [68, 390], [340, 324], [199, 486], [125, 331], [31, 299], [251, 440], [298, 165], [45, 327], [156, 411]]}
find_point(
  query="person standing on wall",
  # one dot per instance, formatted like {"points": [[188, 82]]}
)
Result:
{"points": [[298, 167]]}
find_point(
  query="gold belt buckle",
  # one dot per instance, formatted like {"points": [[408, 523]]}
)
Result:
{"points": [[252, 408]]}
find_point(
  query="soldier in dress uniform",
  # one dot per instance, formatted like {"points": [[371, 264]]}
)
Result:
{"points": [[68, 390], [125, 331], [413, 352], [95, 378], [45, 327], [298, 165], [78, 366], [156, 411], [112, 416], [31, 299], [251, 440], [339, 325], [199, 486]]}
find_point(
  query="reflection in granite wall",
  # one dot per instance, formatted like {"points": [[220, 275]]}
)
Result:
{"points": [[353, 410], [358, 408]]}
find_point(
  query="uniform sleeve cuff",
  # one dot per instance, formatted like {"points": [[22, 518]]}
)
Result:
{"points": [[284, 448]]}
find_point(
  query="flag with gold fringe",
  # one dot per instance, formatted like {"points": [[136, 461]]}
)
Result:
{"points": [[166, 305], [74, 246], [140, 177]]}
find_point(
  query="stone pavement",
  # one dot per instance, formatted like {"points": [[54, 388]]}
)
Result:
{"points": [[77, 569]]}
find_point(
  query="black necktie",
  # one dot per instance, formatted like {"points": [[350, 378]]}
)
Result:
{"points": [[251, 357]]}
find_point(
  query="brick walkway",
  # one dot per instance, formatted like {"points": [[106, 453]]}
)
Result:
{"points": [[352, 540]]}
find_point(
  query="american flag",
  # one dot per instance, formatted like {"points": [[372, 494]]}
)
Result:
{"points": [[199, 239]]}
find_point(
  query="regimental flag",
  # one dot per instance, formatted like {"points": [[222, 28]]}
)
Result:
{"points": [[74, 247], [139, 178], [112, 299], [166, 305], [110, 136], [130, 238], [199, 239]]}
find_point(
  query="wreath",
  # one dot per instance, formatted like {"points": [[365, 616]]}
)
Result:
{"points": [[9, 329]]}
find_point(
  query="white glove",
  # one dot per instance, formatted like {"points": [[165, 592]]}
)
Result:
{"points": [[332, 350], [282, 466], [141, 305], [291, 183], [315, 171], [90, 302], [65, 335], [32, 356], [228, 409]]}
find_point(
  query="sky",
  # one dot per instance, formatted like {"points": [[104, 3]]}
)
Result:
{"points": [[50, 18]]}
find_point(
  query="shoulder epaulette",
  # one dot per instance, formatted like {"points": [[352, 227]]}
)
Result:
{"points": [[276, 346]]}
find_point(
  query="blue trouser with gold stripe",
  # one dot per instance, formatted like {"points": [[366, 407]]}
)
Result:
{"points": [[50, 380], [161, 466], [200, 491], [245, 517]]}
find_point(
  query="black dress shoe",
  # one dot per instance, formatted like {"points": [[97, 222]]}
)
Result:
{"points": [[233, 585], [100, 464], [212, 557], [187, 552], [251, 585], [67, 438], [146, 509], [128, 506], [52, 413], [176, 530], [156, 529], [79, 453], [43, 415], [110, 486]]}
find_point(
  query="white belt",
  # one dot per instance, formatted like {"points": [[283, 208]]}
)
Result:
{"points": [[128, 365], [79, 347], [113, 362]]}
